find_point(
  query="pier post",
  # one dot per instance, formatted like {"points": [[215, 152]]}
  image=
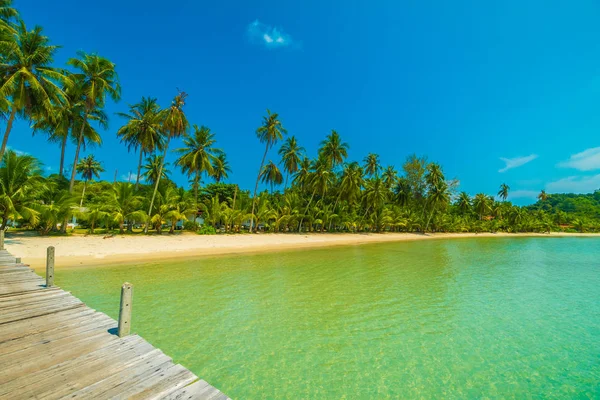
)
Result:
{"points": [[50, 266], [18, 260], [1, 239], [125, 309]]}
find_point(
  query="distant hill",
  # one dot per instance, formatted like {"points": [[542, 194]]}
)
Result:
{"points": [[579, 205]]}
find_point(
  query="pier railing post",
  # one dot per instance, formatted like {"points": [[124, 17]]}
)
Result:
{"points": [[1, 239], [50, 266], [125, 309]]}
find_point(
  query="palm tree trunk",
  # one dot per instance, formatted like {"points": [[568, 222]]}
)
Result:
{"points": [[139, 171], [63, 147], [334, 206], [306, 211], [262, 163], [196, 184], [79, 141], [9, 125], [83, 193], [162, 164]]}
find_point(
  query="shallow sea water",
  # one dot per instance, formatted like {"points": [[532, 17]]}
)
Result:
{"points": [[459, 318]]}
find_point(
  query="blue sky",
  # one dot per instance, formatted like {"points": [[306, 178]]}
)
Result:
{"points": [[495, 92]]}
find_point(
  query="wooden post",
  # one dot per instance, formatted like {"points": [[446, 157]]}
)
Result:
{"points": [[125, 309], [1, 239], [50, 266], [18, 260]]}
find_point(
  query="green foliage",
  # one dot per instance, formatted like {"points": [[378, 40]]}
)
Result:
{"points": [[206, 230]]}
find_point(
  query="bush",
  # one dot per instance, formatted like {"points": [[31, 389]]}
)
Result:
{"points": [[190, 226], [206, 230]]}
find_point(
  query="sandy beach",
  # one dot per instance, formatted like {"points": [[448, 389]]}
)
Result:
{"points": [[82, 251]]}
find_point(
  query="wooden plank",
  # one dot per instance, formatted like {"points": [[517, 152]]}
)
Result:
{"points": [[159, 383]]}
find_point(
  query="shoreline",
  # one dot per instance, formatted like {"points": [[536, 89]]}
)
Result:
{"points": [[93, 251]]}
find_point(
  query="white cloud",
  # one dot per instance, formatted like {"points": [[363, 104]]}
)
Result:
{"points": [[48, 168], [267, 35], [18, 152], [575, 184], [516, 162], [522, 194], [131, 177], [587, 160]]}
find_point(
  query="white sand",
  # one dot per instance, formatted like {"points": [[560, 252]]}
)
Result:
{"points": [[91, 250]]}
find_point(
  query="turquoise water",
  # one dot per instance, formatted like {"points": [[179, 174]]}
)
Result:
{"points": [[461, 318]]}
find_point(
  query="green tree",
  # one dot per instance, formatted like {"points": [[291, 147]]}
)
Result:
{"points": [[155, 169], [372, 165], [29, 83], [142, 130], [95, 80], [271, 175], [125, 205], [291, 155], [269, 133], [503, 192], [333, 150], [88, 168], [220, 167]]}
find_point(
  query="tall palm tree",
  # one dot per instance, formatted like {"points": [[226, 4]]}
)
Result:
{"points": [[390, 176], [142, 130], [198, 155], [154, 168], [320, 180], [503, 192], [89, 168], [302, 175], [542, 196], [220, 167], [8, 14], [271, 175], [269, 133], [175, 124], [481, 204], [333, 150], [372, 165], [95, 80], [29, 81], [464, 203], [291, 155], [125, 205]]}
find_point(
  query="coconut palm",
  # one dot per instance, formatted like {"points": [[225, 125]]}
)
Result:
{"points": [[269, 133], [198, 155], [95, 80], [333, 150], [271, 175], [88, 168], [20, 184], [503, 192], [220, 167], [481, 204], [154, 168], [179, 206], [372, 165], [319, 181], [8, 15], [302, 175], [464, 203], [390, 176], [142, 130], [542, 196], [125, 205], [291, 155], [175, 124], [29, 82]]}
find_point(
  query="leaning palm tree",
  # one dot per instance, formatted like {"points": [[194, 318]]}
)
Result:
{"points": [[269, 133], [481, 204], [503, 192], [125, 206], [220, 167], [333, 150], [271, 175], [95, 80], [372, 165], [154, 168], [88, 168], [29, 82], [198, 155], [142, 130], [175, 124], [291, 156]]}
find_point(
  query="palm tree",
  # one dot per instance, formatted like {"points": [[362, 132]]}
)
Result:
{"points": [[220, 167], [269, 133], [372, 166], [271, 175], [503, 192], [333, 150], [125, 205], [291, 155], [438, 197], [155, 168], [464, 203], [95, 80], [179, 207], [142, 130], [390, 176], [198, 155], [542, 196], [320, 179], [302, 175], [481, 204], [175, 124], [20, 183], [29, 81], [89, 168], [7, 15]]}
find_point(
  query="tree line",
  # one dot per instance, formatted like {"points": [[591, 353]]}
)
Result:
{"points": [[325, 193]]}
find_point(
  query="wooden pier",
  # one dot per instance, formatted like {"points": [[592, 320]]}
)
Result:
{"points": [[53, 346]]}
